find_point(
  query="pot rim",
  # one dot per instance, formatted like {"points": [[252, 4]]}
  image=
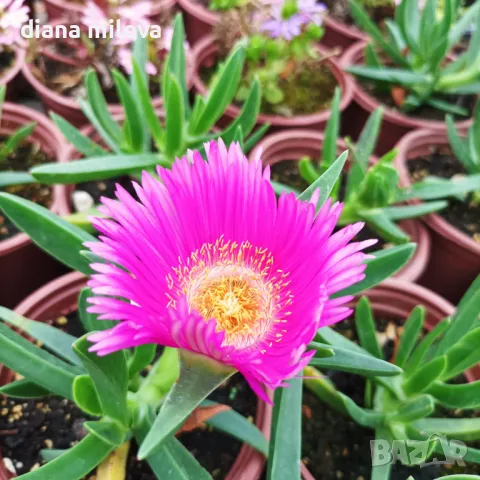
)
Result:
{"points": [[418, 263], [199, 11], [18, 62], [66, 289], [208, 45], [353, 56], [424, 139], [349, 31], [65, 6], [47, 132]]}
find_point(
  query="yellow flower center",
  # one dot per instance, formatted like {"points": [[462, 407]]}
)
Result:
{"points": [[236, 285]]}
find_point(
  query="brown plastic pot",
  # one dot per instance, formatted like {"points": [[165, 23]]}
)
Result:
{"points": [[62, 8], [341, 35], [205, 51], [10, 77], [199, 21], [23, 266], [295, 144], [455, 260], [395, 124], [68, 107], [396, 298], [59, 297]]}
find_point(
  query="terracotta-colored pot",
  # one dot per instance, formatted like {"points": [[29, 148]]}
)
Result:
{"points": [[23, 266], [340, 35], [295, 144], [68, 107], [62, 8], [395, 124], [206, 50], [455, 260], [199, 20], [10, 77], [396, 298], [59, 297]]}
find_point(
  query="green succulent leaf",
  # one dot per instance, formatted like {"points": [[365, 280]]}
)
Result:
{"points": [[199, 376], [464, 319], [462, 355], [463, 396], [425, 376], [85, 395], [134, 118], [110, 376], [411, 334], [24, 389], [53, 338], [365, 327], [326, 182], [419, 407], [354, 362], [143, 356], [385, 264], [36, 364], [363, 416], [75, 463], [97, 168], [237, 426], [285, 441], [465, 429], [51, 233], [421, 352]]}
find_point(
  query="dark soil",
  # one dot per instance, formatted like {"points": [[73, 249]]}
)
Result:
{"points": [[68, 80], [378, 10], [335, 447], [425, 112], [7, 58], [26, 427], [442, 163], [106, 188], [26, 156], [287, 172]]}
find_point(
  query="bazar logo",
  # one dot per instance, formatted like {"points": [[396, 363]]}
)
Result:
{"points": [[417, 452]]}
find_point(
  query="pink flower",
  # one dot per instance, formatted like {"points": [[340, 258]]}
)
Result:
{"points": [[125, 60], [137, 16], [13, 14], [209, 261]]}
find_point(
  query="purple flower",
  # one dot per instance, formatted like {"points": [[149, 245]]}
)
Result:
{"points": [[308, 11], [287, 28]]}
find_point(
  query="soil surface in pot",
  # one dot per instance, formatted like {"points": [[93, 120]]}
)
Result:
{"points": [[342, 448], [340, 10], [7, 57], [97, 189], [28, 426], [424, 112], [66, 77], [308, 88], [26, 156], [464, 215]]}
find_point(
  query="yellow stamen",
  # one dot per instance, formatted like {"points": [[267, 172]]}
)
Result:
{"points": [[236, 285]]}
